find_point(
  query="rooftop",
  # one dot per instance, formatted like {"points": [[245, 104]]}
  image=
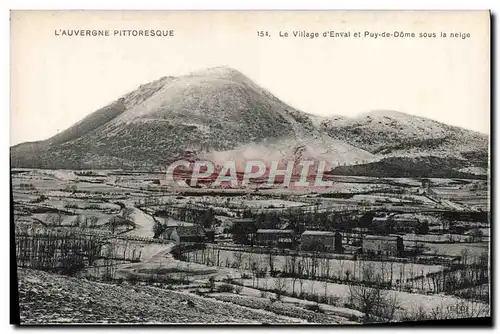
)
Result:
{"points": [[244, 220], [381, 237], [318, 233], [274, 231]]}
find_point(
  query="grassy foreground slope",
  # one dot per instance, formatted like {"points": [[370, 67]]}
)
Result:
{"points": [[46, 298]]}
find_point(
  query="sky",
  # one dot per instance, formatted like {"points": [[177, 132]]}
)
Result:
{"points": [[58, 80]]}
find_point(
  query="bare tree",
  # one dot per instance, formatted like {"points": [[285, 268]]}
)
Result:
{"points": [[255, 273], [114, 222], [372, 300], [347, 274], [301, 284], [341, 268], [279, 286], [238, 257], [271, 259], [55, 218], [92, 221], [293, 262], [327, 267], [294, 280]]}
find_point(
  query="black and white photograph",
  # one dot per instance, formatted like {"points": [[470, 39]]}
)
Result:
{"points": [[250, 167]]}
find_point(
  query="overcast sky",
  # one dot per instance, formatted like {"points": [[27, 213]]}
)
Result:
{"points": [[56, 81]]}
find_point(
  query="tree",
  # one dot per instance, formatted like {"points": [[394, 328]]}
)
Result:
{"points": [[238, 258], [271, 260], [279, 286], [114, 222], [294, 280], [92, 221], [347, 274], [158, 229], [255, 273], [372, 300], [208, 218], [55, 218], [423, 227], [78, 221], [83, 221], [127, 213], [211, 282]]}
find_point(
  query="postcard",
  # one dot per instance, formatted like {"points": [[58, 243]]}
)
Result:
{"points": [[250, 167]]}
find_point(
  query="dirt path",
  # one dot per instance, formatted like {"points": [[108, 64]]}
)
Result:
{"points": [[143, 224]]}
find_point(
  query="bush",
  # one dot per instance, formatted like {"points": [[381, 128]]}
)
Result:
{"points": [[70, 266], [132, 279], [315, 308], [263, 294], [246, 276], [261, 274], [107, 277], [211, 283], [226, 288], [335, 300], [238, 289]]}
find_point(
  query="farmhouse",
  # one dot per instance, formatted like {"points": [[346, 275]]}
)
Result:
{"points": [[406, 224], [274, 237], [383, 245], [180, 234], [243, 221], [243, 230], [328, 241], [392, 223]]}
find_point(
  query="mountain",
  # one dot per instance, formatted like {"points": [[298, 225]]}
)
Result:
{"points": [[392, 133], [409, 145], [216, 113], [220, 114]]}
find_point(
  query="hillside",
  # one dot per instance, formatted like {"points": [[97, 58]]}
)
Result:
{"points": [[419, 166], [200, 114], [220, 114], [46, 298], [392, 133]]}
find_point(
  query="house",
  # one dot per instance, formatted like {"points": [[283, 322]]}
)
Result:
{"points": [[275, 237], [181, 234], [210, 233], [407, 224], [243, 221], [383, 245], [328, 241], [243, 230], [392, 223]]}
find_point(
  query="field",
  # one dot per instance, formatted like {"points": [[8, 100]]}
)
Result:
{"points": [[337, 267], [407, 301]]}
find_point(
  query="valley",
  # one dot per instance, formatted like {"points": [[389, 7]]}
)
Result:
{"points": [[185, 244]]}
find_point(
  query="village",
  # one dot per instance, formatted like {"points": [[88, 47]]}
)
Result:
{"points": [[419, 247]]}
